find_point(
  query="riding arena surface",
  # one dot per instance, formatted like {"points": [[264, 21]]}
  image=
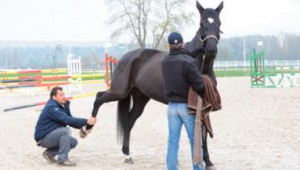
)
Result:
{"points": [[257, 128]]}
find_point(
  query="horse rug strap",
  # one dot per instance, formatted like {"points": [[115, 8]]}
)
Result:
{"points": [[198, 154], [210, 102]]}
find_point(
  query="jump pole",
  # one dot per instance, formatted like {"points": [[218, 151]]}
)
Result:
{"points": [[9, 72], [43, 103]]}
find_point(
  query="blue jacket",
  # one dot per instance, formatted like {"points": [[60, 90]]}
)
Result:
{"points": [[54, 116]]}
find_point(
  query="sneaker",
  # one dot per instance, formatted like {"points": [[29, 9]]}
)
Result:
{"points": [[67, 163], [49, 158]]}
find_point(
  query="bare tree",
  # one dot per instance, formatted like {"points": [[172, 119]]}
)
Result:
{"points": [[146, 20], [171, 17]]}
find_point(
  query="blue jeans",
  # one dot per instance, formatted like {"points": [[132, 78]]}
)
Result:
{"points": [[59, 141], [178, 115]]}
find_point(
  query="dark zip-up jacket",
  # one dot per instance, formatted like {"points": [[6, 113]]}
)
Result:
{"points": [[179, 73], [54, 116]]}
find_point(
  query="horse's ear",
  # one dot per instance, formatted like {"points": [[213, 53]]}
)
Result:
{"points": [[219, 8], [200, 7]]}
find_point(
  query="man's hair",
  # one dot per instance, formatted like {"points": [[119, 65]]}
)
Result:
{"points": [[175, 46], [54, 91]]}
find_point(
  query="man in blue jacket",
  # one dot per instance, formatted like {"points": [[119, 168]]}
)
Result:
{"points": [[51, 130]]}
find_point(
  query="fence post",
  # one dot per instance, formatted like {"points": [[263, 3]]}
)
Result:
{"points": [[106, 70], [111, 67]]}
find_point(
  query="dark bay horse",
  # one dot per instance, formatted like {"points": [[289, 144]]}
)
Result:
{"points": [[138, 77]]}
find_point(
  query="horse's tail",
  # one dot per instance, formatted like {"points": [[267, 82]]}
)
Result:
{"points": [[123, 117]]}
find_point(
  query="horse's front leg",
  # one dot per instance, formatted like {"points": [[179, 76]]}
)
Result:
{"points": [[139, 103], [208, 163]]}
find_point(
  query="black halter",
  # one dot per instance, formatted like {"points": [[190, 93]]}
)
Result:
{"points": [[202, 43]]}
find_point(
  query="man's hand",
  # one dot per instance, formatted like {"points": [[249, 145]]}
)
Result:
{"points": [[91, 121]]}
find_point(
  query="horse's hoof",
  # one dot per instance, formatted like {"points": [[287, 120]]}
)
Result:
{"points": [[128, 161], [210, 168], [82, 132]]}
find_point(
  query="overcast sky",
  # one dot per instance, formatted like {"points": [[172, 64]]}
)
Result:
{"points": [[84, 20]]}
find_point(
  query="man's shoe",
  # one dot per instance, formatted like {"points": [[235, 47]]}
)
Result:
{"points": [[49, 158], [67, 163]]}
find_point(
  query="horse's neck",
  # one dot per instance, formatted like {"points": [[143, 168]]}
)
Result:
{"points": [[209, 60], [207, 67], [205, 64], [194, 44]]}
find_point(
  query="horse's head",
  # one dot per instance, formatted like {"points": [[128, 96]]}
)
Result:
{"points": [[210, 28]]}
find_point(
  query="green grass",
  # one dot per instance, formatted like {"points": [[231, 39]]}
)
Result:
{"points": [[245, 72], [232, 72]]}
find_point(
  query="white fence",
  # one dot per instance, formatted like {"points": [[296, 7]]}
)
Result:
{"points": [[241, 63], [74, 69]]}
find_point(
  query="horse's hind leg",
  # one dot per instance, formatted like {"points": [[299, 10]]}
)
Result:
{"points": [[139, 103], [208, 163], [101, 97]]}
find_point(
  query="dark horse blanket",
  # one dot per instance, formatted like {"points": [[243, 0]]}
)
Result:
{"points": [[210, 102]]}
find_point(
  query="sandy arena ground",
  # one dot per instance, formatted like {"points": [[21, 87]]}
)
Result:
{"points": [[256, 129]]}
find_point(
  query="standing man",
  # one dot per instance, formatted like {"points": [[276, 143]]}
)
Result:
{"points": [[179, 73], [51, 130]]}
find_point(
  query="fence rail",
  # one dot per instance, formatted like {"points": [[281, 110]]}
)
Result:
{"points": [[244, 64]]}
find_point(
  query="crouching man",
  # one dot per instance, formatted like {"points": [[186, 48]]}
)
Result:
{"points": [[51, 131]]}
